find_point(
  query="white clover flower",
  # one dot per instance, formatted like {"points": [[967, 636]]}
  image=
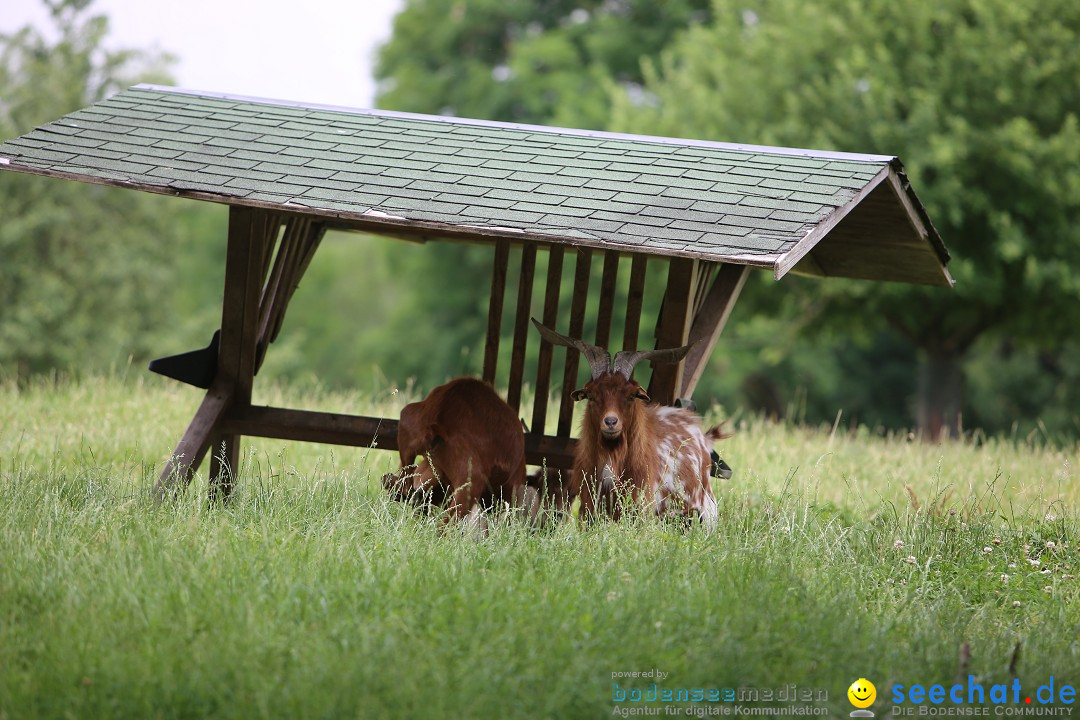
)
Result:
{"points": [[1035, 562], [910, 559], [1050, 545], [987, 550], [1016, 603], [1004, 577], [898, 544]]}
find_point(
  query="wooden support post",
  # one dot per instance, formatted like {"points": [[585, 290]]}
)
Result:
{"points": [[607, 298], [709, 323], [673, 327], [521, 325], [195, 443], [634, 301], [251, 233], [577, 325], [551, 316], [495, 308]]}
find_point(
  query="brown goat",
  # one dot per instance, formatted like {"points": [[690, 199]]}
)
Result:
{"points": [[660, 456], [473, 450]]}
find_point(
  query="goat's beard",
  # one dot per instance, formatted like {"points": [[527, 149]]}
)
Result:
{"points": [[611, 444]]}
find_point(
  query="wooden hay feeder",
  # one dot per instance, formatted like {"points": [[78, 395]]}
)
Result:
{"points": [[289, 172]]}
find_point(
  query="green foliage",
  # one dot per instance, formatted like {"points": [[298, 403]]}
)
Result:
{"points": [[977, 96], [550, 62], [312, 595], [83, 267]]}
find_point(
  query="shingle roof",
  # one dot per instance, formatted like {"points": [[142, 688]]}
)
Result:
{"points": [[383, 170]]}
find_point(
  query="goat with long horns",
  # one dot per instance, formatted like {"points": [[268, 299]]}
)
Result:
{"points": [[657, 455]]}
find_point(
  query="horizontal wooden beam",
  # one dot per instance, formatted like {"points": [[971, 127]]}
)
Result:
{"points": [[312, 426], [360, 431]]}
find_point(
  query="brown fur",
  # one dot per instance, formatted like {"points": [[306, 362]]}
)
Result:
{"points": [[472, 444], [643, 445]]}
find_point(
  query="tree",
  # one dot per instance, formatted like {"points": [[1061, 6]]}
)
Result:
{"points": [[979, 98], [83, 271], [547, 61]]}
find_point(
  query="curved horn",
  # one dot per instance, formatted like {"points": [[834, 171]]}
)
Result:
{"points": [[599, 358], [627, 359]]}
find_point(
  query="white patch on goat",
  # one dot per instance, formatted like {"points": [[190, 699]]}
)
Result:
{"points": [[608, 479], [708, 512], [666, 411], [476, 522]]}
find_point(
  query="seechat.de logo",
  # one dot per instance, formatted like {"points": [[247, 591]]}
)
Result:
{"points": [[862, 695]]}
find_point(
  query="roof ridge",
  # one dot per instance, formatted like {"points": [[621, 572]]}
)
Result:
{"points": [[599, 134]]}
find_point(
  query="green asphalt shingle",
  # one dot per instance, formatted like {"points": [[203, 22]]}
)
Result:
{"points": [[711, 200]]}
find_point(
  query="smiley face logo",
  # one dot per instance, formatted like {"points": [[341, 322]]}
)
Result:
{"points": [[862, 693]]}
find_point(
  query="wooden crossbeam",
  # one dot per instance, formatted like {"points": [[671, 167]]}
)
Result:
{"points": [[361, 431], [577, 325], [495, 308], [550, 317], [522, 327]]}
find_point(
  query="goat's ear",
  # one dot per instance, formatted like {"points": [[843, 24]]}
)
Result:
{"points": [[642, 395], [579, 395]]}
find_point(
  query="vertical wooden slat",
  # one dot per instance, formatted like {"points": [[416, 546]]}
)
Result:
{"points": [[521, 325], [607, 298], [709, 323], [634, 300], [309, 243], [705, 271], [577, 325], [551, 316], [495, 308], [283, 262], [673, 327]]}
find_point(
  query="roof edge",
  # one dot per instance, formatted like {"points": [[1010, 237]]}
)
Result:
{"points": [[818, 232], [601, 134], [378, 223]]}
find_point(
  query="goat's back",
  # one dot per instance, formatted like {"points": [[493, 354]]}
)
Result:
{"points": [[470, 433]]}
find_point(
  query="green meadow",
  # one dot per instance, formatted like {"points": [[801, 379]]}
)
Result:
{"points": [[840, 554]]}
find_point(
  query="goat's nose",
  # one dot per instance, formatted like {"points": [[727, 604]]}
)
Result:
{"points": [[611, 421]]}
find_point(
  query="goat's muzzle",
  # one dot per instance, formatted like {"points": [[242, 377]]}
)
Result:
{"points": [[611, 428]]}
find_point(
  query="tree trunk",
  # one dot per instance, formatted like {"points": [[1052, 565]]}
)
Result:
{"points": [[940, 398]]}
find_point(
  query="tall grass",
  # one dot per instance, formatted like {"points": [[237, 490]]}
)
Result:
{"points": [[838, 556]]}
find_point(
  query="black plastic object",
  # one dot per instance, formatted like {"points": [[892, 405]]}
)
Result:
{"points": [[197, 367]]}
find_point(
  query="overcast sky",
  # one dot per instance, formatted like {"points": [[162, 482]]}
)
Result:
{"points": [[319, 51]]}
